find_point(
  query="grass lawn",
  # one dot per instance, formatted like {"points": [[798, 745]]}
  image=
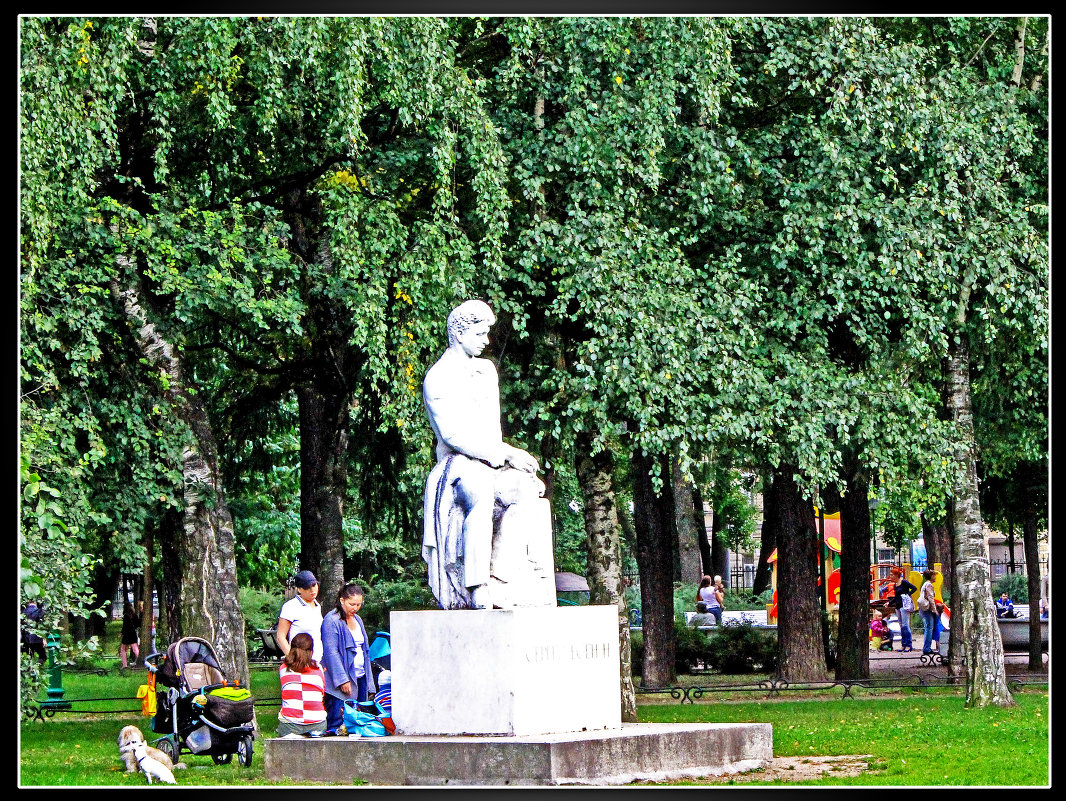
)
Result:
{"points": [[916, 738], [923, 738]]}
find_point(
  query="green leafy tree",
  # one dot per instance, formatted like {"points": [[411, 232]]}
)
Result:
{"points": [[600, 313]]}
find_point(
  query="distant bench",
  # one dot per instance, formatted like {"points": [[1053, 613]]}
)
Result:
{"points": [[269, 648], [705, 620]]}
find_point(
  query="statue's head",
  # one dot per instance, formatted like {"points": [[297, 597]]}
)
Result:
{"points": [[465, 315]]}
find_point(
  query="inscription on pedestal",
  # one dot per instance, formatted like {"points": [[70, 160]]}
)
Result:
{"points": [[572, 652], [492, 670]]}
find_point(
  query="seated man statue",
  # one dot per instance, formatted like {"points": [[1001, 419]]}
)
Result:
{"points": [[487, 528]]}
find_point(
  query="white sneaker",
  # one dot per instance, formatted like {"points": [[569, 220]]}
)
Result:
{"points": [[292, 736]]}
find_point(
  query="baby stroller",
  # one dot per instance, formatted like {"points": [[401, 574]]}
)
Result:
{"points": [[196, 708]]}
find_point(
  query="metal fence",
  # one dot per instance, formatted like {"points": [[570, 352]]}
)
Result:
{"points": [[1003, 567], [742, 577]]}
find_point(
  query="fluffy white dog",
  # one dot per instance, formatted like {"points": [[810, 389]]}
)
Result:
{"points": [[131, 735], [150, 766]]}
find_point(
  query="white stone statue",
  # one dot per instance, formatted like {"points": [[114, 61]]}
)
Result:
{"points": [[487, 529]]}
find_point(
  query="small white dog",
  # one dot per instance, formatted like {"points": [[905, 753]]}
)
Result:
{"points": [[150, 765], [131, 735]]}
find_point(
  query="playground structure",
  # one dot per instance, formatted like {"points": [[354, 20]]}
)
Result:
{"points": [[881, 579]]}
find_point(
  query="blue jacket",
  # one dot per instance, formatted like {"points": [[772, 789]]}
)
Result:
{"points": [[339, 652]]}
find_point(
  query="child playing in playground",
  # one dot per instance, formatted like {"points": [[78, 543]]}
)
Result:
{"points": [[878, 631]]}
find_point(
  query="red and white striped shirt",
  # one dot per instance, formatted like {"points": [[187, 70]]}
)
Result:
{"points": [[301, 696]]}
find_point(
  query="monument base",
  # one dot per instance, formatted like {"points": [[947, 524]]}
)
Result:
{"points": [[510, 672], [635, 752]]}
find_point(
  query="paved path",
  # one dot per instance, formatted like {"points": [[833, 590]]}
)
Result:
{"points": [[899, 663]]}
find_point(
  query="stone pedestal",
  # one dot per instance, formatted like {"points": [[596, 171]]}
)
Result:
{"points": [[634, 752], [505, 672]]}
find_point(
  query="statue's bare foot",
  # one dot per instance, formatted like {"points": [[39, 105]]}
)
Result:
{"points": [[480, 597]]}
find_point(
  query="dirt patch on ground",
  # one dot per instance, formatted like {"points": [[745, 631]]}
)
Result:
{"points": [[797, 769]]}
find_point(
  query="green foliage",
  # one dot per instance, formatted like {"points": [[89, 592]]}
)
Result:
{"points": [[742, 648], [260, 609], [735, 516], [53, 571], [1016, 585], [636, 647], [571, 542], [755, 236], [690, 645], [407, 593]]}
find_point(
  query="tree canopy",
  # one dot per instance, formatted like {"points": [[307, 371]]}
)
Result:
{"points": [[760, 239]]}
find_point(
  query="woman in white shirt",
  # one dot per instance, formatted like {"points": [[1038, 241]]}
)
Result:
{"points": [[302, 614], [710, 596]]}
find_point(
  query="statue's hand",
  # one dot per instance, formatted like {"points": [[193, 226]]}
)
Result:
{"points": [[520, 460]]}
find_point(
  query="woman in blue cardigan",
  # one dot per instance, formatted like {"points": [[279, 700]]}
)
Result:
{"points": [[345, 656]]}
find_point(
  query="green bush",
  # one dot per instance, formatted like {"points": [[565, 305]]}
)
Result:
{"points": [[261, 610], [742, 648], [1016, 585], [732, 648], [691, 646], [636, 649], [398, 595]]}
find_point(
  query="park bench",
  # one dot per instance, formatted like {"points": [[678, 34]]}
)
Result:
{"points": [[269, 648]]}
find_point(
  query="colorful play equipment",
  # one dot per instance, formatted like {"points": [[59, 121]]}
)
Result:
{"points": [[880, 575]]}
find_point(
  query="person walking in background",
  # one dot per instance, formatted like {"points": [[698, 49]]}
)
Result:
{"points": [[131, 624], [901, 598], [345, 656], [32, 642], [302, 614], [303, 685], [927, 610]]}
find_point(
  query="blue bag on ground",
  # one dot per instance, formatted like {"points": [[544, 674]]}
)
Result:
{"points": [[361, 722]]}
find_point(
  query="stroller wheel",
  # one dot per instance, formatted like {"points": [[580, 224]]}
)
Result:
{"points": [[170, 748], [222, 759], [244, 751]]}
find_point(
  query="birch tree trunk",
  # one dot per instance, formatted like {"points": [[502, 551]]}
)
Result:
{"points": [[209, 603], [604, 570], [170, 592], [976, 645]]}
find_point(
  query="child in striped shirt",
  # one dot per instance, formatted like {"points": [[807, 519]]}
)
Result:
{"points": [[302, 686]]}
